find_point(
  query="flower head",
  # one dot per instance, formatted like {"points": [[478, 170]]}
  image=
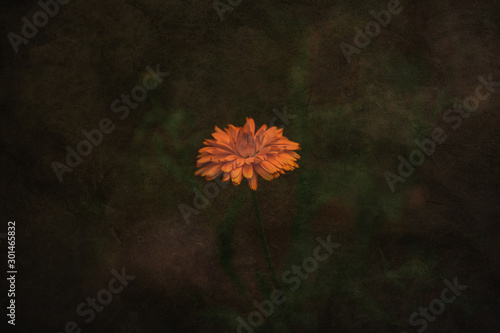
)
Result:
{"points": [[243, 152]]}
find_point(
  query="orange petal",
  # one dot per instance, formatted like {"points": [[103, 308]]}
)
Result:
{"points": [[275, 161], [223, 137], [203, 169], [260, 157], [292, 153], [231, 157], [261, 130], [212, 150], [233, 132], [237, 175], [287, 147], [248, 171], [228, 166], [287, 156], [219, 145], [212, 158], [265, 150], [213, 171], [263, 173], [239, 162], [252, 182], [269, 167], [249, 160], [249, 126], [209, 178]]}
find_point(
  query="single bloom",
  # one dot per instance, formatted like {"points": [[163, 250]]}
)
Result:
{"points": [[239, 152]]}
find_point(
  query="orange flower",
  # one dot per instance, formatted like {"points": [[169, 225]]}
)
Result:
{"points": [[241, 152]]}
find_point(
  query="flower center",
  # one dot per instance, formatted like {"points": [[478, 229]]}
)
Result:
{"points": [[246, 145]]}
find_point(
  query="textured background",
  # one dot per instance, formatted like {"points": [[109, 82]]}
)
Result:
{"points": [[119, 208]]}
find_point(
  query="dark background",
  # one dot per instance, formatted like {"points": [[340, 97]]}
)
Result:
{"points": [[119, 208]]}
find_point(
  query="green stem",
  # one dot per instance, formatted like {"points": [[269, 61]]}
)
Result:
{"points": [[263, 239]]}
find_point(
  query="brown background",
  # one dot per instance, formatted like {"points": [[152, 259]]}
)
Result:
{"points": [[119, 208]]}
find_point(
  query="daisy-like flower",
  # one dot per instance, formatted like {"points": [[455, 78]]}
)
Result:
{"points": [[241, 152]]}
